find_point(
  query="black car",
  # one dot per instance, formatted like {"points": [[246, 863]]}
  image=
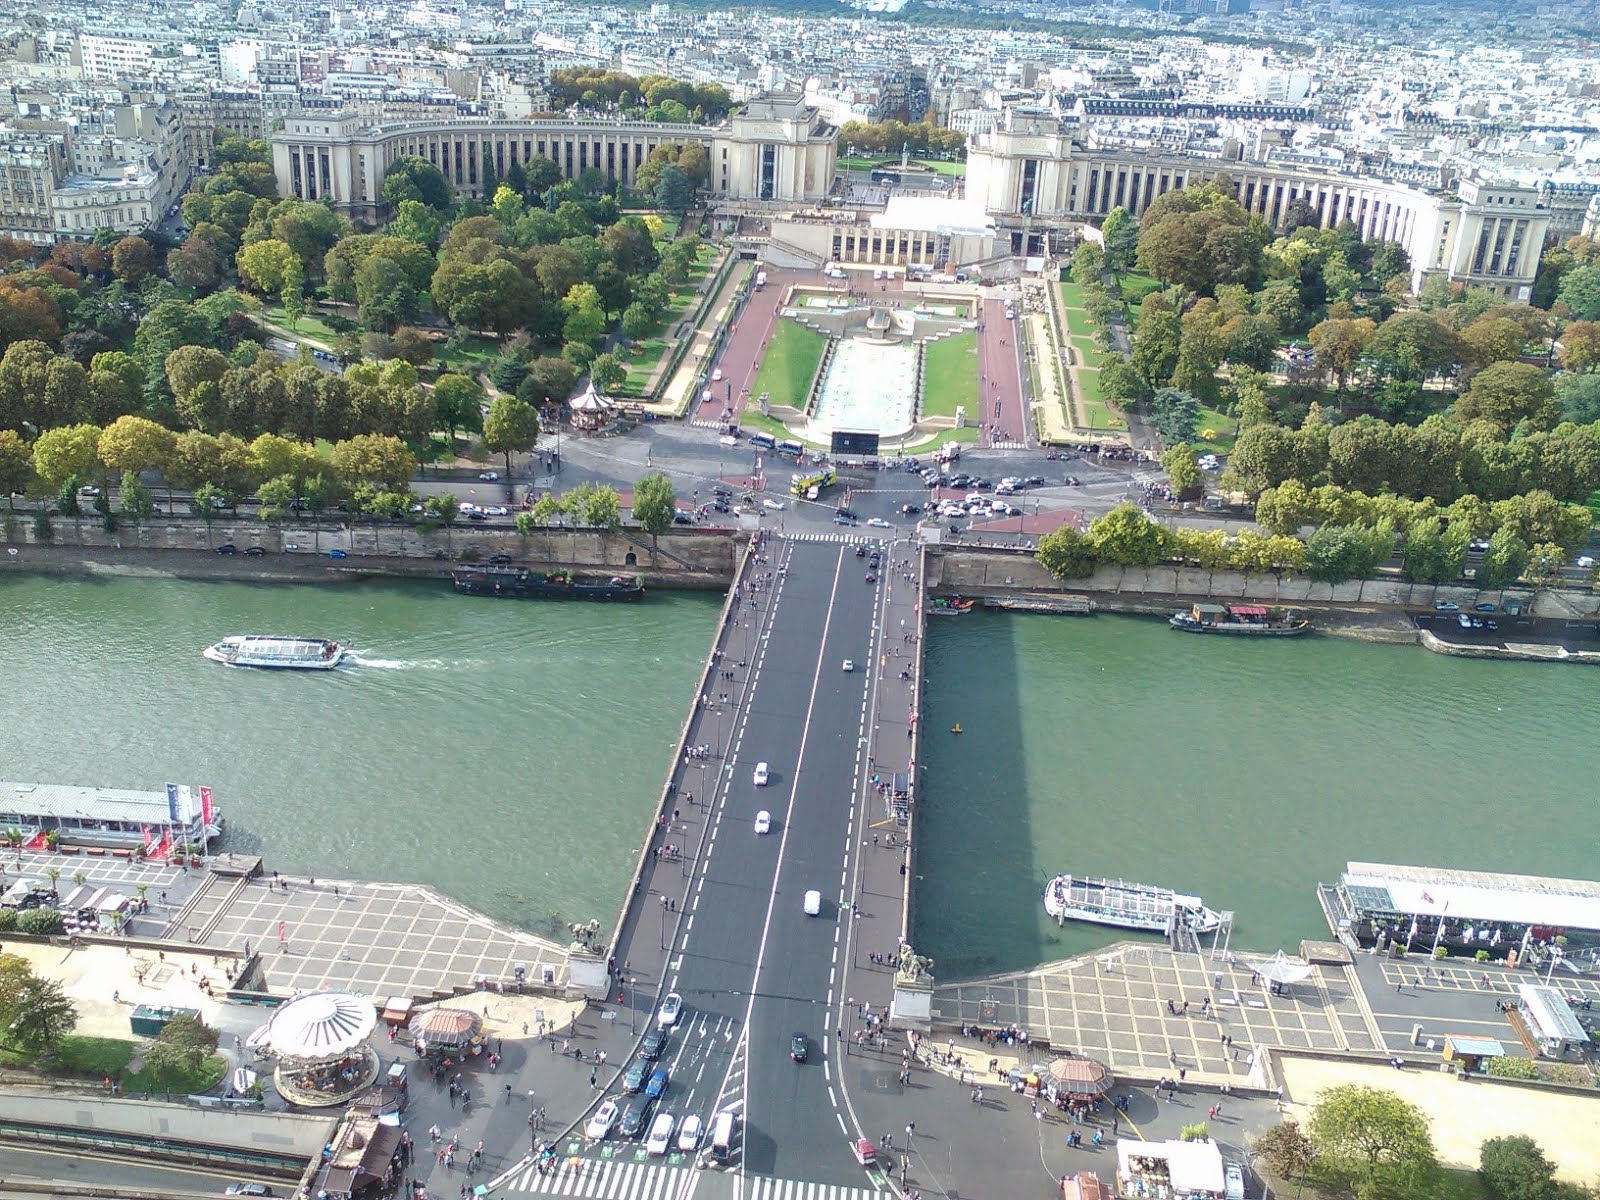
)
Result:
{"points": [[499, 560], [636, 1117], [959, 481], [799, 1048], [254, 551], [861, 551], [227, 548], [652, 1044], [682, 518], [638, 1072], [845, 512], [477, 514], [721, 489]]}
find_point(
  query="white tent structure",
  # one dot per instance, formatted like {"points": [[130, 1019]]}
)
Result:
{"points": [[320, 1026], [1186, 1169], [1282, 969]]}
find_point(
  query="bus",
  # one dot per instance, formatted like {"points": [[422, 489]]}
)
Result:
{"points": [[809, 484], [882, 176], [765, 440]]}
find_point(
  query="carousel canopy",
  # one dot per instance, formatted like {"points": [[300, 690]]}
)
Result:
{"points": [[444, 1026], [321, 1025], [1081, 1076], [589, 400], [1280, 968]]}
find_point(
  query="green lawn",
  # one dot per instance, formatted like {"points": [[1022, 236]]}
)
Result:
{"points": [[950, 375], [1071, 295], [1220, 424], [789, 364], [641, 361], [1089, 355], [475, 354], [1078, 324], [1093, 411], [1136, 286], [309, 325]]}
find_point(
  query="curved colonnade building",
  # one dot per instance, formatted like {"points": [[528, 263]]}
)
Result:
{"points": [[1032, 177], [775, 148]]}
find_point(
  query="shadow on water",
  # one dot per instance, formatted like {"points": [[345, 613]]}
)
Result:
{"points": [[975, 859]]}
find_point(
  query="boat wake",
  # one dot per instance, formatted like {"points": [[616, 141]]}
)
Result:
{"points": [[403, 664]]}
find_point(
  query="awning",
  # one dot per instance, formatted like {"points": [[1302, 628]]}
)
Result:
{"points": [[1280, 968], [1080, 1076], [442, 1027]]}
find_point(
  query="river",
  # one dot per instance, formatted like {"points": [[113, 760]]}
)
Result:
{"points": [[1242, 770], [509, 753], [506, 752]]}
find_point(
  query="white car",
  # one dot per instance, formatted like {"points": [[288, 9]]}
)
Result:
{"points": [[660, 1134], [599, 1126], [1233, 1181], [813, 903], [1584, 562], [497, 510], [769, 502], [716, 375], [760, 775], [879, 523], [849, 665], [689, 1133], [489, 476], [667, 1016], [763, 821]]}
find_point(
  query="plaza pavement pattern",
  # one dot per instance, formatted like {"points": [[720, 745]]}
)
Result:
{"points": [[1112, 1005], [378, 939]]}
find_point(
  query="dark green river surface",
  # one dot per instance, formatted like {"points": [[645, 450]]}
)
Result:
{"points": [[1242, 770], [510, 753], [507, 752]]}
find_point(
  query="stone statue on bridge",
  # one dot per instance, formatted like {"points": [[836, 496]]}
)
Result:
{"points": [[915, 970]]}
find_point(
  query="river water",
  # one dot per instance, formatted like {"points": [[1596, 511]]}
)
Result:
{"points": [[1241, 770], [505, 752], [509, 753]]}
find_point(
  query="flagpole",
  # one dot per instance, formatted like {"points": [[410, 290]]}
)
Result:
{"points": [[1439, 929]]}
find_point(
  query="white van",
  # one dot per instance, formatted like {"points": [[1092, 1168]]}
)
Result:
{"points": [[813, 903], [722, 1134], [761, 774]]}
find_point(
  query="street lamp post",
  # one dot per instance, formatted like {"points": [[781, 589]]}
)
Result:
{"points": [[633, 1008]]}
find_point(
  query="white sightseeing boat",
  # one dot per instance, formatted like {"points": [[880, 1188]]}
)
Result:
{"points": [[1126, 905], [277, 653]]}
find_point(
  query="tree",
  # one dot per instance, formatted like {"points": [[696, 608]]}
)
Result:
{"points": [[195, 264], [1413, 346], [1121, 234], [1156, 342], [1120, 381], [1508, 393], [132, 259], [413, 178], [673, 192], [1174, 414], [1126, 536], [1515, 1168], [1337, 345], [1335, 553], [264, 265], [1580, 291], [458, 403], [1088, 262], [607, 372], [1287, 1150], [181, 1050], [64, 453], [376, 459], [654, 503], [1435, 555], [548, 380], [638, 322], [1066, 554], [16, 465], [1183, 472], [137, 502], [1492, 339], [1364, 1129], [511, 426], [134, 444], [1579, 397], [385, 294], [1545, 561], [35, 1013]]}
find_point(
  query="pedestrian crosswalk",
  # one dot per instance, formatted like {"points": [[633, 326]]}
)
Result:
{"points": [[615, 1179]]}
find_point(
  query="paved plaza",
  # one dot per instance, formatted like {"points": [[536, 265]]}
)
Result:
{"points": [[379, 939], [1113, 1005]]}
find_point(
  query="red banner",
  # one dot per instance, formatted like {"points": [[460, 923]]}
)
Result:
{"points": [[205, 804]]}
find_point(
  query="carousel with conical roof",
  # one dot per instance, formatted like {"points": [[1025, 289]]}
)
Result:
{"points": [[320, 1042]]}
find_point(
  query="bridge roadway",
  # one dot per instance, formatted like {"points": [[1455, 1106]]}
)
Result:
{"points": [[752, 968]]}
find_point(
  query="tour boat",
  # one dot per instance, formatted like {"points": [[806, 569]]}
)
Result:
{"points": [[953, 606], [1126, 905], [520, 584], [277, 653], [1247, 620]]}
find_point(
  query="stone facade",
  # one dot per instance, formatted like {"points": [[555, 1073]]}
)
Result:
{"points": [[775, 148]]}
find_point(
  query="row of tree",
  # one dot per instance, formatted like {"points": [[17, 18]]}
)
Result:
{"points": [[653, 97], [1351, 541], [893, 137]]}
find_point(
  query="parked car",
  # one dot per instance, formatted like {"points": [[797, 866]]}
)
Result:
{"points": [[489, 476], [336, 553], [248, 1189], [499, 560], [1446, 606], [88, 493], [227, 548], [254, 551]]}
